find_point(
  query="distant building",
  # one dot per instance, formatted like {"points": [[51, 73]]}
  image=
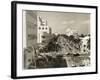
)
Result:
{"points": [[70, 32]]}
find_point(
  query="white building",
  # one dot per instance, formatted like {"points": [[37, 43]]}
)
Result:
{"points": [[84, 45], [70, 32], [42, 28]]}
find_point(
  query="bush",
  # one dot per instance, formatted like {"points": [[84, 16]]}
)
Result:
{"points": [[77, 54]]}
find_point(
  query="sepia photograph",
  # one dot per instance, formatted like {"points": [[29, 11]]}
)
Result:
{"points": [[53, 40], [56, 39]]}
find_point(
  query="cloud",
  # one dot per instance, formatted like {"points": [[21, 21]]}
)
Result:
{"points": [[86, 22], [68, 22]]}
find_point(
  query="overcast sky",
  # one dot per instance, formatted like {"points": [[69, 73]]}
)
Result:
{"points": [[60, 22]]}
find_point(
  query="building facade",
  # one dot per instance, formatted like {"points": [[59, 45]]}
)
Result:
{"points": [[31, 28], [84, 45]]}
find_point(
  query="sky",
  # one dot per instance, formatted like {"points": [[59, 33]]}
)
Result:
{"points": [[61, 21]]}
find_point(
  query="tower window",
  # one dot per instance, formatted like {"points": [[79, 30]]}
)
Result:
{"points": [[42, 28], [46, 28], [39, 27]]}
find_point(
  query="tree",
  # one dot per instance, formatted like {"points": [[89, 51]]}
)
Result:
{"points": [[82, 35], [52, 45]]}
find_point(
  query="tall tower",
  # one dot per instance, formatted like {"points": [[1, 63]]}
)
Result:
{"points": [[42, 27]]}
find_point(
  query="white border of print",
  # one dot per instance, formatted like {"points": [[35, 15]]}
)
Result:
{"points": [[35, 72]]}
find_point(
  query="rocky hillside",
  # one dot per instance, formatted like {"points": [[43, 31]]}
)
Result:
{"points": [[63, 44]]}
